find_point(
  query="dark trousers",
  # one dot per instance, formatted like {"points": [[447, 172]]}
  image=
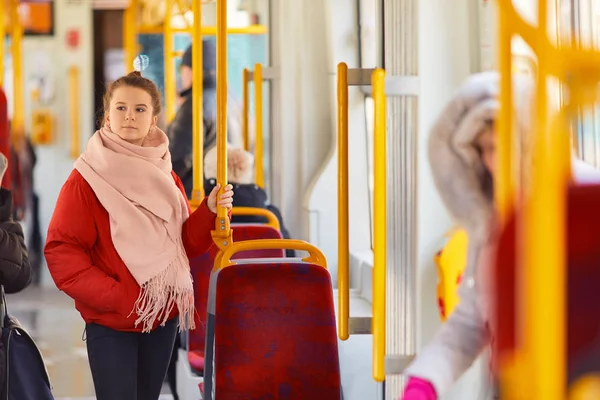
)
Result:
{"points": [[129, 365]]}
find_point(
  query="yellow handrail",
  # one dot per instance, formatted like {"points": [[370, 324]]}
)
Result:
{"points": [[245, 108], [170, 77], [343, 237], [540, 365], [3, 12], [258, 110], [74, 111], [222, 235], [18, 120], [272, 220], [316, 256], [504, 185], [544, 250], [130, 34], [380, 225], [198, 116], [206, 30]]}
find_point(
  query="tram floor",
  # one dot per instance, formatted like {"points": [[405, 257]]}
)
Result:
{"points": [[51, 319]]}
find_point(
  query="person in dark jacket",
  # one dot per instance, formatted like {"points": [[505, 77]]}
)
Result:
{"points": [[180, 129], [240, 167], [15, 270]]}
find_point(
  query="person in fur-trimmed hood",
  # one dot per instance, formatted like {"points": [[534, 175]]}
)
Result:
{"points": [[462, 159], [240, 167]]}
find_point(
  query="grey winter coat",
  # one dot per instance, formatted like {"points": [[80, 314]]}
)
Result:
{"points": [[459, 175]]}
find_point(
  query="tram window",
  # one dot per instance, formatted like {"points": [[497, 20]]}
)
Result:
{"points": [[370, 51], [369, 128]]}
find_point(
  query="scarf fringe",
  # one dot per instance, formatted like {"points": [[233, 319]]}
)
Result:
{"points": [[161, 294]]}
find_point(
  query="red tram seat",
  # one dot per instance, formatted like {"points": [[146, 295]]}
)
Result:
{"points": [[200, 269], [583, 284], [271, 332]]}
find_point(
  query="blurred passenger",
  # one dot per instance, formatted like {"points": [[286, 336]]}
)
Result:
{"points": [[15, 271], [240, 168], [180, 129], [462, 154], [119, 242]]}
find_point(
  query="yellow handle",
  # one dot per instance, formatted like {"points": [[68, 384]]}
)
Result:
{"points": [[504, 184], [3, 12], [208, 30], [272, 220], [542, 263], [197, 116], [258, 106], [245, 108], [130, 34], [380, 226], [316, 256], [222, 235], [74, 110], [343, 237], [18, 121], [169, 81]]}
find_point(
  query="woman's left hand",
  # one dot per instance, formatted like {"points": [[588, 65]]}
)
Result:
{"points": [[225, 200]]}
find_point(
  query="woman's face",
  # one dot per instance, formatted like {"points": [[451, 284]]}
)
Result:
{"points": [[486, 142], [130, 114]]}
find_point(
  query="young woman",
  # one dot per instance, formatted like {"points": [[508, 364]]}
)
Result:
{"points": [[119, 242]]}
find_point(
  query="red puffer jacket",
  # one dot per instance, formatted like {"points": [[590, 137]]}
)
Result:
{"points": [[85, 265]]}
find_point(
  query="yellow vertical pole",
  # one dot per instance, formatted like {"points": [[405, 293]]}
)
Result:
{"points": [[245, 108], [505, 184], [380, 226], [18, 120], [343, 225], [222, 233], [130, 34], [544, 250], [198, 126], [74, 110], [258, 106], [169, 64], [3, 12]]}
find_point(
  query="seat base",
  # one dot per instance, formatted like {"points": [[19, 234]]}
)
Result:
{"points": [[187, 378]]}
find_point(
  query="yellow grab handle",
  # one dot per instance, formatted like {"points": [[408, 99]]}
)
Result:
{"points": [[222, 235], [18, 121], [380, 225], [74, 110], [169, 79], [130, 34], [258, 107], [208, 30], [3, 12], [272, 220], [197, 116], [544, 250], [505, 185], [245, 108], [343, 237], [316, 256]]}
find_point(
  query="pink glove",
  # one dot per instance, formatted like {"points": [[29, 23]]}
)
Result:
{"points": [[419, 389]]}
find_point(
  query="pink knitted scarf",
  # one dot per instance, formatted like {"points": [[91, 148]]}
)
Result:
{"points": [[147, 211]]}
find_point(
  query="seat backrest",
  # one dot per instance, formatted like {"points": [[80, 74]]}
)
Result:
{"points": [[201, 267], [583, 283], [272, 333]]}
